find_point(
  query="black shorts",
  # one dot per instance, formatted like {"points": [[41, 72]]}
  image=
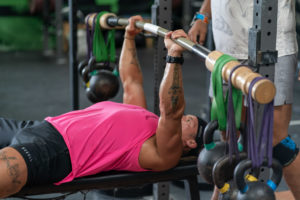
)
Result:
{"points": [[45, 153], [10, 127]]}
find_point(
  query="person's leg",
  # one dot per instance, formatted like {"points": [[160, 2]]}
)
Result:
{"points": [[284, 195], [38, 155], [292, 177], [13, 172], [285, 71], [215, 195], [282, 116], [45, 153]]}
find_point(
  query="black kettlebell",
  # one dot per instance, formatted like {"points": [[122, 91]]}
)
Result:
{"points": [[83, 70], [211, 152], [102, 81], [223, 176], [256, 190]]}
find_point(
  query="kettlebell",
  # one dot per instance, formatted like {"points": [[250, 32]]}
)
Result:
{"points": [[211, 152], [223, 176], [83, 70], [101, 80], [256, 190]]}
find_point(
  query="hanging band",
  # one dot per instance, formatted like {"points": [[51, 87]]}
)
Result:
{"points": [[101, 51], [218, 109], [256, 152], [234, 110]]}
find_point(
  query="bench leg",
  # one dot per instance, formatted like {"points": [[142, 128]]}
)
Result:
{"points": [[161, 191], [191, 188]]}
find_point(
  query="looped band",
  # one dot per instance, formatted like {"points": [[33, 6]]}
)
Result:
{"points": [[218, 109], [103, 52]]}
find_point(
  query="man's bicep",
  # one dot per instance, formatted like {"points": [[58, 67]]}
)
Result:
{"points": [[168, 140], [162, 151]]}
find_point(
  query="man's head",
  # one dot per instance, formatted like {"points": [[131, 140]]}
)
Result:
{"points": [[192, 132]]}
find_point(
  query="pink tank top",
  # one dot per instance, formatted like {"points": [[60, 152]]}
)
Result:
{"points": [[105, 136]]}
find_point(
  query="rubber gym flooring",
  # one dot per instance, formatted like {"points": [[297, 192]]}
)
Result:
{"points": [[34, 86]]}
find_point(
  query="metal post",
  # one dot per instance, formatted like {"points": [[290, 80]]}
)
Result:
{"points": [[262, 44], [186, 14], [46, 24], [262, 50], [191, 188], [59, 33], [161, 16], [73, 54]]}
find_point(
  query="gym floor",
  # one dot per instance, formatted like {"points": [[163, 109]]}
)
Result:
{"points": [[34, 86]]}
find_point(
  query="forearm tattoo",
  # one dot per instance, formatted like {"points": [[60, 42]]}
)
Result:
{"points": [[133, 60], [175, 89], [12, 169]]}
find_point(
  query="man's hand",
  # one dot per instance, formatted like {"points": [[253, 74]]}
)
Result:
{"points": [[131, 30], [199, 29], [174, 49]]}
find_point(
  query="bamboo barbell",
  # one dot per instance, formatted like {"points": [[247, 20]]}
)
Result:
{"points": [[263, 90]]}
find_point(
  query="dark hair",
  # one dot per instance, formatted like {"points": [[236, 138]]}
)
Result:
{"points": [[199, 137]]}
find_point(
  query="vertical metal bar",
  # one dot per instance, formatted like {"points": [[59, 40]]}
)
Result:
{"points": [[161, 191], [59, 33], [262, 51], [262, 44], [46, 24], [73, 54], [161, 16], [209, 43], [191, 188], [186, 14], [265, 19]]}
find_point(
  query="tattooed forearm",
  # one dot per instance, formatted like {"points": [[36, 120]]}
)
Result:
{"points": [[175, 89], [12, 169], [133, 60]]}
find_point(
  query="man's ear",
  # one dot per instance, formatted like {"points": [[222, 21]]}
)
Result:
{"points": [[192, 143]]}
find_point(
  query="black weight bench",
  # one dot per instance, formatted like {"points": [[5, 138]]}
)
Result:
{"points": [[186, 170]]}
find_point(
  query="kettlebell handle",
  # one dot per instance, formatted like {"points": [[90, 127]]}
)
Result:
{"points": [[82, 65], [93, 65], [208, 136], [247, 164], [223, 169]]}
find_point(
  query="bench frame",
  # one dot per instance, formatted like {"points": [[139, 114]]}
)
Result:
{"points": [[186, 170]]}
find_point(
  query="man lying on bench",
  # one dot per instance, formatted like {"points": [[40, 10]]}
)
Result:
{"points": [[106, 136]]}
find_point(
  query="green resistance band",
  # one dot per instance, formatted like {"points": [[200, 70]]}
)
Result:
{"points": [[218, 108], [103, 52]]}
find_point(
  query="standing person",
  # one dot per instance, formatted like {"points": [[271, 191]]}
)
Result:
{"points": [[107, 135], [231, 20]]}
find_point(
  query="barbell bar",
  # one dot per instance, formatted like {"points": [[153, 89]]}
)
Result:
{"points": [[263, 90]]}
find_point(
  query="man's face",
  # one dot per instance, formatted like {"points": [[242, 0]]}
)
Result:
{"points": [[189, 125]]}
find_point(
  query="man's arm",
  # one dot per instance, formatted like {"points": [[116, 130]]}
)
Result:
{"points": [[168, 145], [199, 28], [130, 71]]}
